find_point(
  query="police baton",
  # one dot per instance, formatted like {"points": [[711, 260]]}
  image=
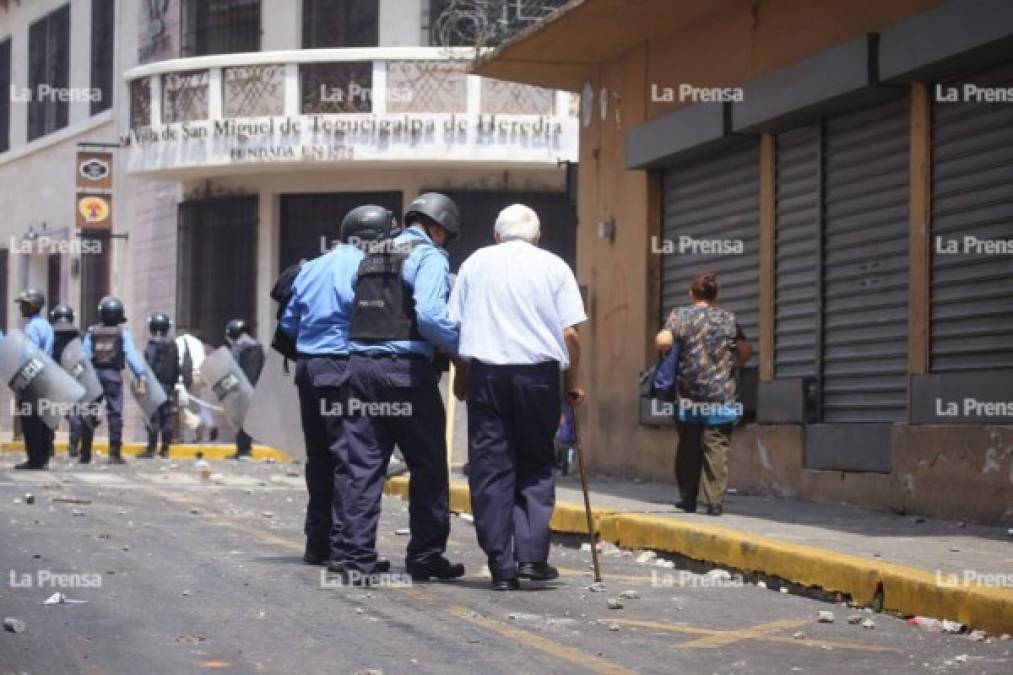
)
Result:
{"points": [[587, 498]]}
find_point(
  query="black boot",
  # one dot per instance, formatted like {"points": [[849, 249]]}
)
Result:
{"points": [[441, 569], [148, 453], [164, 452], [72, 446], [114, 455]]}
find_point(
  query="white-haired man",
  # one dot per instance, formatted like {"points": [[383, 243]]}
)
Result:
{"points": [[518, 306]]}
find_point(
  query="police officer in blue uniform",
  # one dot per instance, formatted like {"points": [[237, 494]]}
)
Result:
{"points": [[398, 321], [38, 435], [317, 317], [248, 353], [62, 319], [163, 357], [110, 347]]}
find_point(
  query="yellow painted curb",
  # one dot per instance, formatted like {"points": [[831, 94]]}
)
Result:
{"points": [[213, 451], [906, 590]]}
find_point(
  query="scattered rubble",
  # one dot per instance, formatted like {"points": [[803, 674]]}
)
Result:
{"points": [[824, 616], [799, 636], [855, 619], [12, 625], [403, 531], [629, 595], [869, 623], [719, 574], [597, 587], [646, 557], [613, 627], [29, 498], [61, 599], [468, 518], [615, 603], [977, 636]]}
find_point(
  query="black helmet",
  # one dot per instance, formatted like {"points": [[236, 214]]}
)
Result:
{"points": [[367, 223], [437, 208], [111, 311], [61, 315], [235, 328], [31, 296], [159, 323]]}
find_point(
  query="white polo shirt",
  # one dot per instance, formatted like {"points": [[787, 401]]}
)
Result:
{"points": [[513, 301]]}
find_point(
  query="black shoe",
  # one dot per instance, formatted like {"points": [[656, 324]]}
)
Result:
{"points": [[311, 557], [29, 466], [116, 459], [537, 571], [714, 510], [441, 569], [84, 459], [164, 452], [506, 584], [147, 454], [687, 506], [381, 566]]}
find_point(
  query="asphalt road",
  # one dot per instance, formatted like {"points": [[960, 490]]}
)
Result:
{"points": [[183, 575]]}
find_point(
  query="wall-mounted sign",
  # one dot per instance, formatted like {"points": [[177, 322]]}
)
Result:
{"points": [[412, 138], [94, 212], [94, 171]]}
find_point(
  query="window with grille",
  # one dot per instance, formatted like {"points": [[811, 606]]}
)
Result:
{"points": [[217, 265], [219, 27], [48, 73], [103, 18], [94, 274], [5, 101], [340, 23]]}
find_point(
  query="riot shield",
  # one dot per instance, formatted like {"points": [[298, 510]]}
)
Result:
{"points": [[229, 384], [80, 368], [274, 417], [37, 381], [154, 395]]}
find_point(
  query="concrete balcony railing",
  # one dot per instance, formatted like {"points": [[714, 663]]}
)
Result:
{"points": [[399, 105]]}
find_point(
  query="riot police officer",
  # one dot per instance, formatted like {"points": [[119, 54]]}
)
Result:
{"points": [[399, 318], [163, 357], [62, 319], [110, 347], [250, 356], [38, 435], [316, 316]]}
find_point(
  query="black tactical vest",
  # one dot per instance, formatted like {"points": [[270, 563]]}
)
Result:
{"points": [[384, 308], [107, 347]]}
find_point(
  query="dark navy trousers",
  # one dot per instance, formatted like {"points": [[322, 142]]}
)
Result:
{"points": [[38, 437], [161, 421], [395, 400], [321, 381], [112, 391], [513, 414]]}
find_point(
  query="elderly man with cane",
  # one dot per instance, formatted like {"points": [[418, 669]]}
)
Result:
{"points": [[518, 306]]}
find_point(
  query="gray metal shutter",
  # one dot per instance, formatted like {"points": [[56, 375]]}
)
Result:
{"points": [[972, 195], [715, 199], [865, 265], [796, 260]]}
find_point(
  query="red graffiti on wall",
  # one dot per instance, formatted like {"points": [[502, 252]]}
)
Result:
{"points": [[616, 317]]}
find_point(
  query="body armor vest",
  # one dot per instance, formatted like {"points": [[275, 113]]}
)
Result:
{"points": [[162, 356], [107, 347], [384, 308]]}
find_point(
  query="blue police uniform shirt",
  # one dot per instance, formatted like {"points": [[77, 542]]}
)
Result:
{"points": [[133, 360], [319, 312], [40, 333], [427, 273]]}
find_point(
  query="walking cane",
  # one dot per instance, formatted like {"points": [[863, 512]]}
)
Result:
{"points": [[587, 498]]}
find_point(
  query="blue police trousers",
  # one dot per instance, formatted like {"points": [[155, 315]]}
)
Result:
{"points": [[394, 400]]}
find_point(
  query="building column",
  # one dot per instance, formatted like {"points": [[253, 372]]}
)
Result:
{"points": [[267, 263], [920, 216], [767, 260]]}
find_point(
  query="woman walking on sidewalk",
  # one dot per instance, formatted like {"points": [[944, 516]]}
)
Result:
{"points": [[713, 344]]}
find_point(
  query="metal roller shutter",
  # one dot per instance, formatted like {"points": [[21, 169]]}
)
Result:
{"points": [[972, 196], [865, 265], [796, 261], [717, 199]]}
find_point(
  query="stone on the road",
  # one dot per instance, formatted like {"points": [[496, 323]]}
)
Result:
{"points": [[615, 603], [13, 625], [825, 616]]}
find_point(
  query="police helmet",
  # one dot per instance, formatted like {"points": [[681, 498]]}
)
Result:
{"points": [[368, 223], [159, 323], [110, 311], [61, 315], [437, 208], [31, 296], [235, 328]]}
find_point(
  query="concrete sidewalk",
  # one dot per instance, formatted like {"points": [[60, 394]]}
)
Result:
{"points": [[906, 564]]}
